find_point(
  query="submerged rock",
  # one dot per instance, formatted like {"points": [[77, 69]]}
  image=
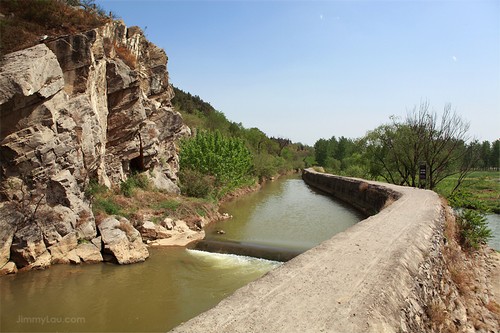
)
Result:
{"points": [[8, 268]]}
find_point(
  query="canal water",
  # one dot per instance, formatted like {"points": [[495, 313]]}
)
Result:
{"points": [[494, 225], [174, 284], [292, 216]]}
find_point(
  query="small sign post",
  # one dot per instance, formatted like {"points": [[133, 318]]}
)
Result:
{"points": [[422, 174]]}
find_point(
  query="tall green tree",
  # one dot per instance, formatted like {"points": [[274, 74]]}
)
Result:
{"points": [[321, 151], [386, 155], [495, 154], [225, 159], [444, 139], [485, 155]]}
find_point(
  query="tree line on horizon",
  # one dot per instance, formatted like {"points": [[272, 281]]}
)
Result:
{"points": [[394, 152]]}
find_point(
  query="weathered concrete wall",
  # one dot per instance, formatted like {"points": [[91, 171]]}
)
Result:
{"points": [[367, 197], [361, 280]]}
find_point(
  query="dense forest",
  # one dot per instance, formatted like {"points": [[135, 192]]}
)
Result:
{"points": [[394, 152], [355, 157]]}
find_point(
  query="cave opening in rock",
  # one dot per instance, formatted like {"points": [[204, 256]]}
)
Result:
{"points": [[137, 163]]}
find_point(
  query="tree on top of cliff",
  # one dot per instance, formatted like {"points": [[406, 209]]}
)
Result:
{"points": [[191, 104], [24, 22]]}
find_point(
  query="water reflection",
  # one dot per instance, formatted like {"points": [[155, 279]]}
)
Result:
{"points": [[289, 214]]}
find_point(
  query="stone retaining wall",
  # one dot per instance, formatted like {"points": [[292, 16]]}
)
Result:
{"points": [[367, 197]]}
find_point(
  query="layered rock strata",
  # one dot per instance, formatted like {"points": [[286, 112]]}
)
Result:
{"points": [[89, 106]]}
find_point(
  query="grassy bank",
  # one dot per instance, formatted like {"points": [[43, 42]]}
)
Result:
{"points": [[480, 188], [140, 202]]}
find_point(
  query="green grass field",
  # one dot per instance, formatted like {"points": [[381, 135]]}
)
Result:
{"points": [[482, 186]]}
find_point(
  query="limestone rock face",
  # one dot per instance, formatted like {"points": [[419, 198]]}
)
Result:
{"points": [[28, 246], [22, 77], [8, 268], [8, 218], [122, 241], [94, 105], [89, 253]]}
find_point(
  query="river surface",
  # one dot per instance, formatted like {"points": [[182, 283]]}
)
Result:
{"points": [[494, 225], [299, 214], [174, 284], [170, 287]]}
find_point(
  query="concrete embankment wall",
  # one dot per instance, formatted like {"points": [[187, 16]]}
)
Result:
{"points": [[365, 279], [370, 198]]}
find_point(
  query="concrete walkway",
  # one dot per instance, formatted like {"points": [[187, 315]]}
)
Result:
{"points": [[355, 282]]}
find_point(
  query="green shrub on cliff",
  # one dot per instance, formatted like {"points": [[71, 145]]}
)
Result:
{"points": [[107, 205], [212, 155], [135, 181], [23, 21], [195, 184]]}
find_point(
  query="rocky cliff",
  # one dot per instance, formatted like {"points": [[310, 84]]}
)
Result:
{"points": [[89, 106]]}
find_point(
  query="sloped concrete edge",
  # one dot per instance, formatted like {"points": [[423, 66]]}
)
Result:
{"points": [[357, 281]]}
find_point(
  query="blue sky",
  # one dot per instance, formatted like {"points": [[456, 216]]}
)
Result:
{"points": [[307, 70]]}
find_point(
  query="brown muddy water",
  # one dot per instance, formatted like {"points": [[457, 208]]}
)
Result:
{"points": [[286, 213], [174, 284]]}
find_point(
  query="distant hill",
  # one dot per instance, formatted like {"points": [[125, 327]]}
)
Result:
{"points": [[191, 103]]}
